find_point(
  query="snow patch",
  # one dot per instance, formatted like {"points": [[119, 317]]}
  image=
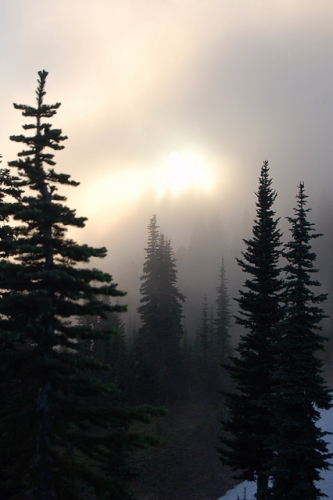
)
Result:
{"points": [[326, 483]]}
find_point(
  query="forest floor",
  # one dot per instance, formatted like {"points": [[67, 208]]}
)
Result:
{"points": [[185, 466]]}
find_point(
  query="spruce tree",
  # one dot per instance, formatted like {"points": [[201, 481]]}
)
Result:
{"points": [[158, 341], [249, 424], [63, 435], [202, 354], [220, 342], [170, 300], [223, 317], [300, 451], [204, 331], [150, 277]]}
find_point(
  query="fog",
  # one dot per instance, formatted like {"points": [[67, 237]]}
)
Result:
{"points": [[200, 237], [228, 84]]}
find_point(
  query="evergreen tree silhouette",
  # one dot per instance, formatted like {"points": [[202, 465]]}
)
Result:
{"points": [[63, 434], [249, 407], [158, 341], [300, 451]]}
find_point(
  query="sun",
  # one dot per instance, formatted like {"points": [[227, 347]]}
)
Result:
{"points": [[175, 174], [184, 172]]}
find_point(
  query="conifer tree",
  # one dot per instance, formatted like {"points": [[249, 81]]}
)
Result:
{"points": [[170, 300], [202, 354], [204, 332], [150, 277], [249, 425], [300, 451], [114, 353], [9, 188], [158, 341], [223, 317], [59, 437], [220, 345], [145, 347]]}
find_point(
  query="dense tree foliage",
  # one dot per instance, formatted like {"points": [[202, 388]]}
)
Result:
{"points": [[158, 341], [63, 435], [249, 424], [300, 451], [114, 352]]}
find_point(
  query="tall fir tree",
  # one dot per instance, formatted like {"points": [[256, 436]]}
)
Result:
{"points": [[300, 451], [204, 331], [220, 342], [150, 278], [202, 359], [158, 341], [222, 321], [63, 436], [249, 425]]}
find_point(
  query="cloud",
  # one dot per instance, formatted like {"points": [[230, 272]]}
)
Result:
{"points": [[241, 81]]}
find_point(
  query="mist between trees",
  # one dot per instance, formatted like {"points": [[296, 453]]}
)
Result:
{"points": [[79, 383], [211, 236]]}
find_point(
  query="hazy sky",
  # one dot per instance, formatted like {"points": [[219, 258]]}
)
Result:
{"points": [[171, 106]]}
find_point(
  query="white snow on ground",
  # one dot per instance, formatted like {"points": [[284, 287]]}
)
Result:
{"points": [[326, 484]]}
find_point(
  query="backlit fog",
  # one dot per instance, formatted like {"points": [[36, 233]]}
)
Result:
{"points": [[170, 107]]}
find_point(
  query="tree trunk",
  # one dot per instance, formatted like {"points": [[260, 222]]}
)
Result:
{"points": [[262, 487], [42, 459]]}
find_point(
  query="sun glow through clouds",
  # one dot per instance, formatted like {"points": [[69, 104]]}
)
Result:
{"points": [[184, 172], [177, 174]]}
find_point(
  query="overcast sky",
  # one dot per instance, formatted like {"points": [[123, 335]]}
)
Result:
{"points": [[171, 106]]}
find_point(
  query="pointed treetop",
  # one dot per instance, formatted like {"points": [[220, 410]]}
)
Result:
{"points": [[41, 84], [42, 110], [266, 195]]}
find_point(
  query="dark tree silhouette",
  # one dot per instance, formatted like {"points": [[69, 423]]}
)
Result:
{"points": [[260, 312], [223, 317], [300, 451], [62, 434], [158, 341], [204, 331]]}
